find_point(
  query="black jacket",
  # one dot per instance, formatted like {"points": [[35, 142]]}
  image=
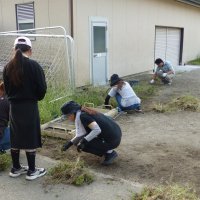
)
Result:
{"points": [[33, 87]]}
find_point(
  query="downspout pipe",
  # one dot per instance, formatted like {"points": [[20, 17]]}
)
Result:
{"points": [[72, 17]]}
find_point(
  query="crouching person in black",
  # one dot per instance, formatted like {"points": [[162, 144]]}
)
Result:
{"points": [[95, 133]]}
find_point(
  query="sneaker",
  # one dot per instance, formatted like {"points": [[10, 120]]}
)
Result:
{"points": [[31, 175], [138, 110], [109, 158], [17, 172]]}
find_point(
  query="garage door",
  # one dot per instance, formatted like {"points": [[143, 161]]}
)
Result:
{"points": [[167, 44]]}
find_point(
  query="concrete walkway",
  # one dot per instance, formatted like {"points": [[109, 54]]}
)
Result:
{"points": [[186, 68], [104, 187]]}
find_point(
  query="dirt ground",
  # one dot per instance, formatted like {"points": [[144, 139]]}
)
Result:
{"points": [[156, 147]]}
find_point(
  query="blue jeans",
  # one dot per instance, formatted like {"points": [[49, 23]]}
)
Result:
{"points": [[5, 140], [132, 107]]}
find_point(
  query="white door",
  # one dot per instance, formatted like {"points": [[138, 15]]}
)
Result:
{"points": [[99, 52], [167, 44]]}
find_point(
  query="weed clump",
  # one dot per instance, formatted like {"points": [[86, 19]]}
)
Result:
{"points": [[69, 172], [5, 161], [160, 108], [190, 103], [183, 103], [169, 192]]}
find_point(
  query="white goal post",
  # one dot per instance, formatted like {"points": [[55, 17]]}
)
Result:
{"points": [[53, 49]]}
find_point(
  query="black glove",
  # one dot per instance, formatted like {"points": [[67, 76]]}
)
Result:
{"points": [[66, 146], [106, 102], [82, 144]]}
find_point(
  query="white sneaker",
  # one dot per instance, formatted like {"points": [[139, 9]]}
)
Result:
{"points": [[17, 172], [31, 175]]}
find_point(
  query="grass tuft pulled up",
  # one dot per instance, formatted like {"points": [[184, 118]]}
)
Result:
{"points": [[169, 192], [69, 172], [183, 103]]}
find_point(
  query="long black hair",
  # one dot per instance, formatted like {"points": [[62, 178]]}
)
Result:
{"points": [[14, 69]]}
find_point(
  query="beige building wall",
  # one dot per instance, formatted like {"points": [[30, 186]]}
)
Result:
{"points": [[47, 13], [131, 28]]}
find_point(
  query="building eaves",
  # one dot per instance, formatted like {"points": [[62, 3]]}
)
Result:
{"points": [[195, 3]]}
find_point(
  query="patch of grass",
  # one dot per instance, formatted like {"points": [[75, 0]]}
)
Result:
{"points": [[195, 61], [50, 110], [144, 90], [96, 95], [183, 103], [169, 192], [5, 161], [69, 172]]}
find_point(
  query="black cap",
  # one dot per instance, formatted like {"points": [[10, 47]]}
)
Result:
{"points": [[114, 79], [70, 108], [158, 61]]}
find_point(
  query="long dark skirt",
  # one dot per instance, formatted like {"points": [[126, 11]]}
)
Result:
{"points": [[25, 125]]}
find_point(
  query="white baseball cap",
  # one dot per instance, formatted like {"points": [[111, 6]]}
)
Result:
{"points": [[23, 40]]}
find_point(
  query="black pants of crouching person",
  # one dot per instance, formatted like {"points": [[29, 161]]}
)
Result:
{"points": [[99, 147]]}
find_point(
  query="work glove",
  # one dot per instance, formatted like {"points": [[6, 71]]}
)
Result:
{"points": [[164, 74], [66, 146], [82, 144], [151, 81]]}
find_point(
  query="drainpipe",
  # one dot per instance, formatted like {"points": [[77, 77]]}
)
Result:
{"points": [[72, 17]]}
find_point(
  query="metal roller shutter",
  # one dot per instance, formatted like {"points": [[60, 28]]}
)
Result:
{"points": [[173, 45], [167, 44], [160, 43]]}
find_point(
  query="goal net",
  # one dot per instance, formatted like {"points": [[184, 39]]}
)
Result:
{"points": [[52, 48]]}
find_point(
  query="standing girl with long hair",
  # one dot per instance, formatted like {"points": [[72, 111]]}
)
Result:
{"points": [[24, 85]]}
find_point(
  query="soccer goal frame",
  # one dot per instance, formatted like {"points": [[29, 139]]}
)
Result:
{"points": [[54, 33]]}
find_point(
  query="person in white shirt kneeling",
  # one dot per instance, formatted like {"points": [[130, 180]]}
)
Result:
{"points": [[125, 96]]}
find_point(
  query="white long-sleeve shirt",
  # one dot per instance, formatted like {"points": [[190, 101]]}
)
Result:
{"points": [[128, 95]]}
